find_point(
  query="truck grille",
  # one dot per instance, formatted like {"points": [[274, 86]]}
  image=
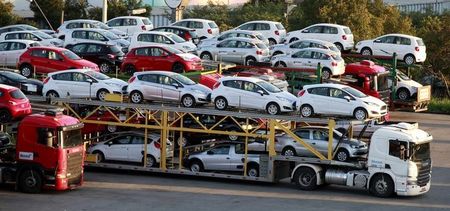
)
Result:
{"points": [[74, 167], [424, 169]]}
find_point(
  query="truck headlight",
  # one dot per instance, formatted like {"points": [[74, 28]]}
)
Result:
{"points": [[410, 181]]}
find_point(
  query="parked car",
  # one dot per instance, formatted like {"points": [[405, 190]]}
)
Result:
{"points": [[331, 63], [49, 32], [204, 28], [408, 48], [224, 157], [253, 93], [13, 103], [50, 59], [159, 57], [184, 32], [273, 31], [28, 86], [131, 24], [289, 48], [107, 57], [129, 146], [41, 37], [340, 35], [69, 25], [234, 33], [11, 50], [17, 27], [167, 86], [317, 137], [87, 35], [81, 83], [162, 38], [345, 101], [236, 50]]}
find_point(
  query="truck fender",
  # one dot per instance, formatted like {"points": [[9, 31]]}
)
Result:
{"points": [[318, 169]]}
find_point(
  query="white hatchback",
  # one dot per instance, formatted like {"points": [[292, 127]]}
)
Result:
{"points": [[273, 31], [69, 25], [253, 93], [204, 28], [332, 64], [11, 50], [340, 35], [81, 83], [163, 38], [234, 33], [167, 86], [408, 48], [289, 48], [337, 99], [38, 36], [83, 35], [130, 24]]}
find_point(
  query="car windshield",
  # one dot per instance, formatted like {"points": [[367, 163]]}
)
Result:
{"points": [[30, 28], [354, 92], [17, 94], [71, 55], [97, 75], [269, 87], [402, 75], [183, 79], [146, 21], [176, 38], [102, 26], [43, 35], [172, 50], [111, 35], [14, 76]]}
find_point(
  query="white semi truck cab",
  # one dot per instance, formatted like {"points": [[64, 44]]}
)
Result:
{"points": [[398, 161]]}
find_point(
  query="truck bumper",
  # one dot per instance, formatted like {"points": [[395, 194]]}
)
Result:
{"points": [[414, 190]]}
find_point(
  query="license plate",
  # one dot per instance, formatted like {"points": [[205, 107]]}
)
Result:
{"points": [[31, 88]]}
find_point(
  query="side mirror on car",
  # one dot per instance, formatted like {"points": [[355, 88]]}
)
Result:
{"points": [[377, 41], [176, 85], [89, 81], [261, 92], [305, 31], [347, 98]]}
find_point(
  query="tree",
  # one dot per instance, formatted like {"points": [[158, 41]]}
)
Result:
{"points": [[118, 8], [76, 9], [6, 15], [51, 8]]}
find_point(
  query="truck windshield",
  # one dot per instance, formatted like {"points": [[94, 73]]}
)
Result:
{"points": [[71, 138], [420, 152]]}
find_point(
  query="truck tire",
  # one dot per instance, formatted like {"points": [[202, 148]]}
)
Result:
{"points": [[381, 185], [253, 170], [305, 178], [196, 166], [30, 181]]}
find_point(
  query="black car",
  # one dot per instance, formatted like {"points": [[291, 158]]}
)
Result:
{"points": [[185, 33], [28, 86], [107, 57]]}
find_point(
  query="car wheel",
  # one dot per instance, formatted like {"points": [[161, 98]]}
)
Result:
{"points": [[188, 101], [272, 42], [339, 46], [151, 161], [305, 178], [306, 111], [5, 116], [30, 181], [178, 68], [100, 156], [196, 166], [366, 52], [105, 67], [289, 151], [253, 170], [221, 103], [51, 94], [273, 109], [326, 73], [26, 70], [206, 56], [280, 64], [293, 39], [360, 114], [250, 61], [409, 59], [182, 141], [403, 94], [130, 69], [136, 97], [342, 155], [101, 94], [381, 185]]}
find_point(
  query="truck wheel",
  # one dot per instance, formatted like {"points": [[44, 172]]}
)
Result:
{"points": [[30, 181], [289, 151], [403, 94], [196, 166], [381, 185], [342, 155], [305, 178], [5, 116], [253, 170], [100, 156]]}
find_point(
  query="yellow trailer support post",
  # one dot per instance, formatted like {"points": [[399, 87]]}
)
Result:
{"points": [[331, 124]]}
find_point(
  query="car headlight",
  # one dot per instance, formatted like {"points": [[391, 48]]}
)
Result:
{"points": [[371, 104]]}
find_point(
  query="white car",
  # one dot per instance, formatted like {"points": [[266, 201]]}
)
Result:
{"points": [[273, 31], [253, 93], [164, 38], [236, 50], [337, 99], [289, 48], [408, 48], [234, 33], [406, 87], [309, 58], [129, 146], [11, 50], [340, 35], [81, 83], [41, 37], [167, 86], [69, 25], [17, 27], [83, 35], [204, 28], [131, 24]]}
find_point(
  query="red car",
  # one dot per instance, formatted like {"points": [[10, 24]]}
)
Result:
{"points": [[90, 128], [13, 103], [257, 72], [160, 58], [51, 59]]}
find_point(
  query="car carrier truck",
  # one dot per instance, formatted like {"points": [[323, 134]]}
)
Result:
{"points": [[42, 151]]}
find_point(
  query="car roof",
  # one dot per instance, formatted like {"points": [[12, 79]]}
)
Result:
{"points": [[153, 32], [244, 39], [260, 21], [328, 24], [81, 20], [21, 41], [15, 25], [323, 42], [120, 17], [196, 19], [320, 50], [92, 42], [241, 31], [48, 48], [329, 85], [70, 71], [160, 72], [7, 87], [250, 79], [89, 29], [175, 27], [402, 35], [23, 31], [160, 45]]}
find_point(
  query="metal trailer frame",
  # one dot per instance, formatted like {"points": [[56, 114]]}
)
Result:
{"points": [[164, 118]]}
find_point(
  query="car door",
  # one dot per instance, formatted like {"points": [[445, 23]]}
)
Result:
{"points": [[320, 141], [116, 149], [93, 52], [403, 46], [232, 92], [319, 99], [313, 32], [80, 87], [298, 59], [4, 53], [79, 49], [144, 60], [56, 61], [150, 87], [383, 46], [171, 89], [251, 96], [225, 51], [340, 104], [161, 59], [305, 135], [242, 49], [217, 158], [136, 148], [14, 51], [39, 60], [62, 82], [237, 158]]}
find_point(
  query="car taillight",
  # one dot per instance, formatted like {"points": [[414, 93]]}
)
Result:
{"points": [[417, 49], [157, 144], [132, 79], [344, 37], [111, 56], [334, 64], [46, 80], [258, 52], [301, 93], [216, 85], [143, 28], [209, 31], [187, 36], [277, 32]]}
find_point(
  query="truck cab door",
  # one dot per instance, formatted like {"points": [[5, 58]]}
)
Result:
{"points": [[396, 161]]}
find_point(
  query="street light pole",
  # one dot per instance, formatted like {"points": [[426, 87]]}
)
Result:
{"points": [[62, 12], [105, 11], [45, 17]]}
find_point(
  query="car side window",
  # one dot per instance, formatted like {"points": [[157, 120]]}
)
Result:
{"points": [[17, 46], [242, 44], [323, 91], [39, 53], [320, 135], [315, 29], [249, 26], [52, 55], [145, 38], [251, 87], [231, 44], [142, 52], [3, 46], [3, 80], [94, 48], [404, 41], [79, 34], [196, 25], [79, 48], [130, 22], [12, 36], [316, 55], [330, 30], [233, 84], [79, 77], [388, 39], [1, 94], [239, 149], [137, 140], [116, 22], [221, 150], [97, 36], [122, 140], [337, 93], [165, 80], [306, 55], [62, 77], [182, 23], [225, 36], [262, 26], [73, 25], [298, 54], [149, 78], [303, 134], [157, 52]]}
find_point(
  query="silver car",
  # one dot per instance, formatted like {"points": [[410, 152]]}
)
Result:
{"points": [[236, 50], [292, 47], [231, 34], [167, 86], [317, 137]]}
